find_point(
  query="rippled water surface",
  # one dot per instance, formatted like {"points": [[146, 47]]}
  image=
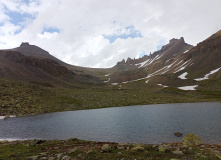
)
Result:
{"points": [[134, 124]]}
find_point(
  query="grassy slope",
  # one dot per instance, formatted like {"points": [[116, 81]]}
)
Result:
{"points": [[20, 98]]}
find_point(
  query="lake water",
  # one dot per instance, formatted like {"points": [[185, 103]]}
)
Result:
{"points": [[151, 124]]}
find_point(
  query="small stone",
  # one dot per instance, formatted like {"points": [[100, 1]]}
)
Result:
{"points": [[106, 147], [43, 154], [90, 151], [174, 159], [178, 134], [119, 153], [120, 147], [51, 158], [72, 150], [59, 155], [138, 148], [204, 157], [177, 152], [65, 158], [44, 158]]}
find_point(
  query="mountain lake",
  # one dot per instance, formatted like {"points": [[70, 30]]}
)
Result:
{"points": [[152, 124]]}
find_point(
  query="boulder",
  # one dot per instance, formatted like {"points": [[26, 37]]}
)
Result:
{"points": [[106, 147], [72, 150], [162, 149], [191, 140], [178, 134]]}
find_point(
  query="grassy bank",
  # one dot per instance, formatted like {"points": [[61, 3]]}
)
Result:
{"points": [[20, 98], [74, 149]]}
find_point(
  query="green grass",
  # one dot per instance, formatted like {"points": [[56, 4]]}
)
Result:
{"points": [[21, 98]]}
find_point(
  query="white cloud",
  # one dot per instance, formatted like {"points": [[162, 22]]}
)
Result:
{"points": [[82, 25]]}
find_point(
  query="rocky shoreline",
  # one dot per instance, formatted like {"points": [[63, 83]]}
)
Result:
{"points": [[191, 148]]}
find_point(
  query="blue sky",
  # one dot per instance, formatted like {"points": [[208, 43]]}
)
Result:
{"points": [[127, 32], [50, 30]]}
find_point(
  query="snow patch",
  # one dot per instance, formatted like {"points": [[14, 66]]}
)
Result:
{"points": [[13, 139], [147, 81], [114, 84], [183, 66], [186, 88], [207, 75], [179, 62], [186, 51], [142, 63], [2, 117], [107, 74], [162, 85], [183, 76], [107, 80], [10, 116]]}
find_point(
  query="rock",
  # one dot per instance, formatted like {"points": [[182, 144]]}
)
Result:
{"points": [[177, 152], [204, 157], [120, 147], [65, 158], [162, 149], [90, 151], [174, 159], [43, 158], [137, 148], [51, 158], [106, 147], [178, 134], [119, 153], [59, 155], [44, 154], [72, 150], [192, 140]]}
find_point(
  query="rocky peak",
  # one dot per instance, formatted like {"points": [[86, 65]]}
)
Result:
{"points": [[23, 44], [174, 40]]}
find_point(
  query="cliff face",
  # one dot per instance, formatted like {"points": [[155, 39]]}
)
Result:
{"points": [[47, 65], [174, 47]]}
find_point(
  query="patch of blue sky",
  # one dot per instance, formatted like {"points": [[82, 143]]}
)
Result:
{"points": [[17, 18], [50, 30], [26, 1], [129, 32]]}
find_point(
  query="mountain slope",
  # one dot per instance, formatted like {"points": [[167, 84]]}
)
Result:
{"points": [[177, 64], [38, 68], [157, 63]]}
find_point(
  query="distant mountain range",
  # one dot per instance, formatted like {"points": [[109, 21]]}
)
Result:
{"points": [[177, 64]]}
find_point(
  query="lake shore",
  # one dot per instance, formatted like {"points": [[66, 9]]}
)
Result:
{"points": [[78, 149]]}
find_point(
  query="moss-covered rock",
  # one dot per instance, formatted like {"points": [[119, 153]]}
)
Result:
{"points": [[106, 147], [192, 140]]}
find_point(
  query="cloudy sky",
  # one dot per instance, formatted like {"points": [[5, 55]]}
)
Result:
{"points": [[98, 33]]}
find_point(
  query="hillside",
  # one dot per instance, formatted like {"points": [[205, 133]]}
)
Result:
{"points": [[33, 64], [177, 64]]}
